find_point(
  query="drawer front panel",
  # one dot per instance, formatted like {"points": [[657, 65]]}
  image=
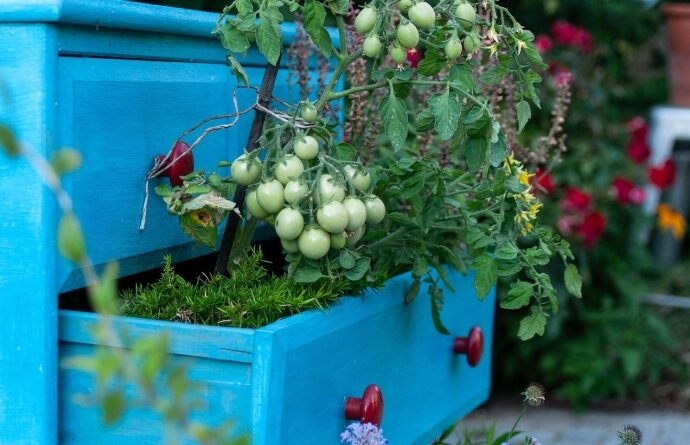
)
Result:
{"points": [[120, 114], [425, 386]]}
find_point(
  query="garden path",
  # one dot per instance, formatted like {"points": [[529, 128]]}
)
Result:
{"points": [[558, 426]]}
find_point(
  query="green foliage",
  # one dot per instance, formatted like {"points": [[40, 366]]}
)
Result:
{"points": [[250, 298]]}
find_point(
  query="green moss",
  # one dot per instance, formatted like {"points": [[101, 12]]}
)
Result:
{"points": [[250, 298]]}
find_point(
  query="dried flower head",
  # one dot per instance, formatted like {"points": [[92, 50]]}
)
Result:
{"points": [[534, 394], [363, 434], [631, 435]]}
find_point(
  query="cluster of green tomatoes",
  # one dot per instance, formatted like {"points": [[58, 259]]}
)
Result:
{"points": [[419, 16], [313, 211]]}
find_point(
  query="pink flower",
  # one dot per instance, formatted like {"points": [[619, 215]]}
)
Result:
{"points": [[638, 151], [564, 33], [583, 41], [638, 128], [543, 43], [576, 200], [663, 175]]}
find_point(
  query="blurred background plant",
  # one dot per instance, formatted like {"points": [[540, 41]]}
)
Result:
{"points": [[608, 344]]}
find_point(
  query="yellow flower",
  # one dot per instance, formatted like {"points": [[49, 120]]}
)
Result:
{"points": [[523, 177], [534, 210], [520, 46], [510, 161], [669, 219]]}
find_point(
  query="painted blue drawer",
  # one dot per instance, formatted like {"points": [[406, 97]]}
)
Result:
{"points": [[286, 383]]}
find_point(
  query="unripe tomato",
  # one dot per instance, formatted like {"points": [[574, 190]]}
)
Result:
{"points": [[290, 246], [372, 46], [309, 113], [407, 35], [366, 20], [355, 237], [337, 241], [332, 217], [295, 191], [356, 212], [306, 148], [453, 49], [290, 167], [359, 178], [253, 206], [245, 171], [329, 190], [289, 224], [399, 55], [376, 210], [270, 196], [467, 14], [470, 43], [314, 243], [414, 56], [404, 5], [422, 15]]}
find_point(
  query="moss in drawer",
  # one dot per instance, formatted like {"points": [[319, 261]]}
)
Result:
{"points": [[250, 298]]}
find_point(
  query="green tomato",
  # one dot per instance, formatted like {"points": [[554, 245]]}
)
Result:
{"points": [[245, 171], [289, 224], [332, 217], [329, 190], [270, 196], [399, 55], [356, 212], [366, 20], [470, 43], [295, 191], [372, 46], [337, 241], [422, 15], [407, 35], [453, 49], [376, 210], [306, 148], [253, 206], [359, 178], [355, 236], [290, 167], [467, 14], [404, 5], [309, 113], [290, 246], [314, 243]]}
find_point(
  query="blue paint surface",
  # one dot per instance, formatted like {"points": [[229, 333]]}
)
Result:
{"points": [[286, 383]]}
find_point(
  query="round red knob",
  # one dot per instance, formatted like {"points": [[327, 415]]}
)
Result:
{"points": [[180, 163], [368, 409], [472, 345]]}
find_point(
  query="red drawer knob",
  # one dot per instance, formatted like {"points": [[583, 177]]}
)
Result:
{"points": [[472, 345], [368, 409], [180, 163]]}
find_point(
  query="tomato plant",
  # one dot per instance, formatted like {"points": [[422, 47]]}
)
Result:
{"points": [[459, 199]]}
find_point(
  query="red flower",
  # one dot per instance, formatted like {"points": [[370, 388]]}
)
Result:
{"points": [[638, 129], [591, 229], [663, 175], [626, 192], [563, 32], [414, 56], [576, 200], [638, 151], [543, 43], [543, 181]]}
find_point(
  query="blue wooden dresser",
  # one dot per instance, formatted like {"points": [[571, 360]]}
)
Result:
{"points": [[120, 81]]}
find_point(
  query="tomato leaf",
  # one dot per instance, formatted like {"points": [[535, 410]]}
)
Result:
{"points": [[314, 19], [486, 276], [307, 275], [446, 110], [519, 295], [360, 269], [394, 115], [532, 324], [233, 39], [268, 37], [475, 152], [524, 113], [437, 302], [237, 70], [573, 280]]}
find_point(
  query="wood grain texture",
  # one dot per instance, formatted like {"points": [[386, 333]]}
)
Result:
{"points": [[28, 350], [303, 367]]}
